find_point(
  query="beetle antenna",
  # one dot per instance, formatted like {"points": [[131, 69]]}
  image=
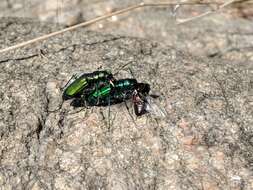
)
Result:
{"points": [[131, 72], [122, 67], [128, 110], [109, 111]]}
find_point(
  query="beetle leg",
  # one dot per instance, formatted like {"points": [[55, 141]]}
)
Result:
{"points": [[109, 111], [130, 113]]}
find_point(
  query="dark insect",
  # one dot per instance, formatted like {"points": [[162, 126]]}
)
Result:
{"points": [[120, 91], [139, 104], [147, 104], [85, 83], [101, 89]]}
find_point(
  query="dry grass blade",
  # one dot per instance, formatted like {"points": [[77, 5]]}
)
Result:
{"points": [[183, 21], [128, 9]]}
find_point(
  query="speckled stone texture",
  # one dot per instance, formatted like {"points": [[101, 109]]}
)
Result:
{"points": [[227, 34], [205, 142]]}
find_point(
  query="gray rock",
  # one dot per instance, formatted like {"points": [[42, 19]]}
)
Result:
{"points": [[225, 35], [204, 142], [218, 35]]}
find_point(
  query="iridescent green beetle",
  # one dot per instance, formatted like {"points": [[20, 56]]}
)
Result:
{"points": [[84, 83], [122, 90]]}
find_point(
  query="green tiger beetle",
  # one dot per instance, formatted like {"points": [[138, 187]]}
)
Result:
{"points": [[123, 89], [101, 89], [83, 84]]}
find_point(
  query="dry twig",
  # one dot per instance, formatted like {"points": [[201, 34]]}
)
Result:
{"points": [[183, 21], [128, 9]]}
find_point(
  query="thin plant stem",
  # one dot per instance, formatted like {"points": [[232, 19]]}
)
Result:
{"points": [[92, 21], [183, 21]]}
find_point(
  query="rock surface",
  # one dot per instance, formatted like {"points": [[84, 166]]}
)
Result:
{"points": [[205, 141], [226, 35], [218, 35]]}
